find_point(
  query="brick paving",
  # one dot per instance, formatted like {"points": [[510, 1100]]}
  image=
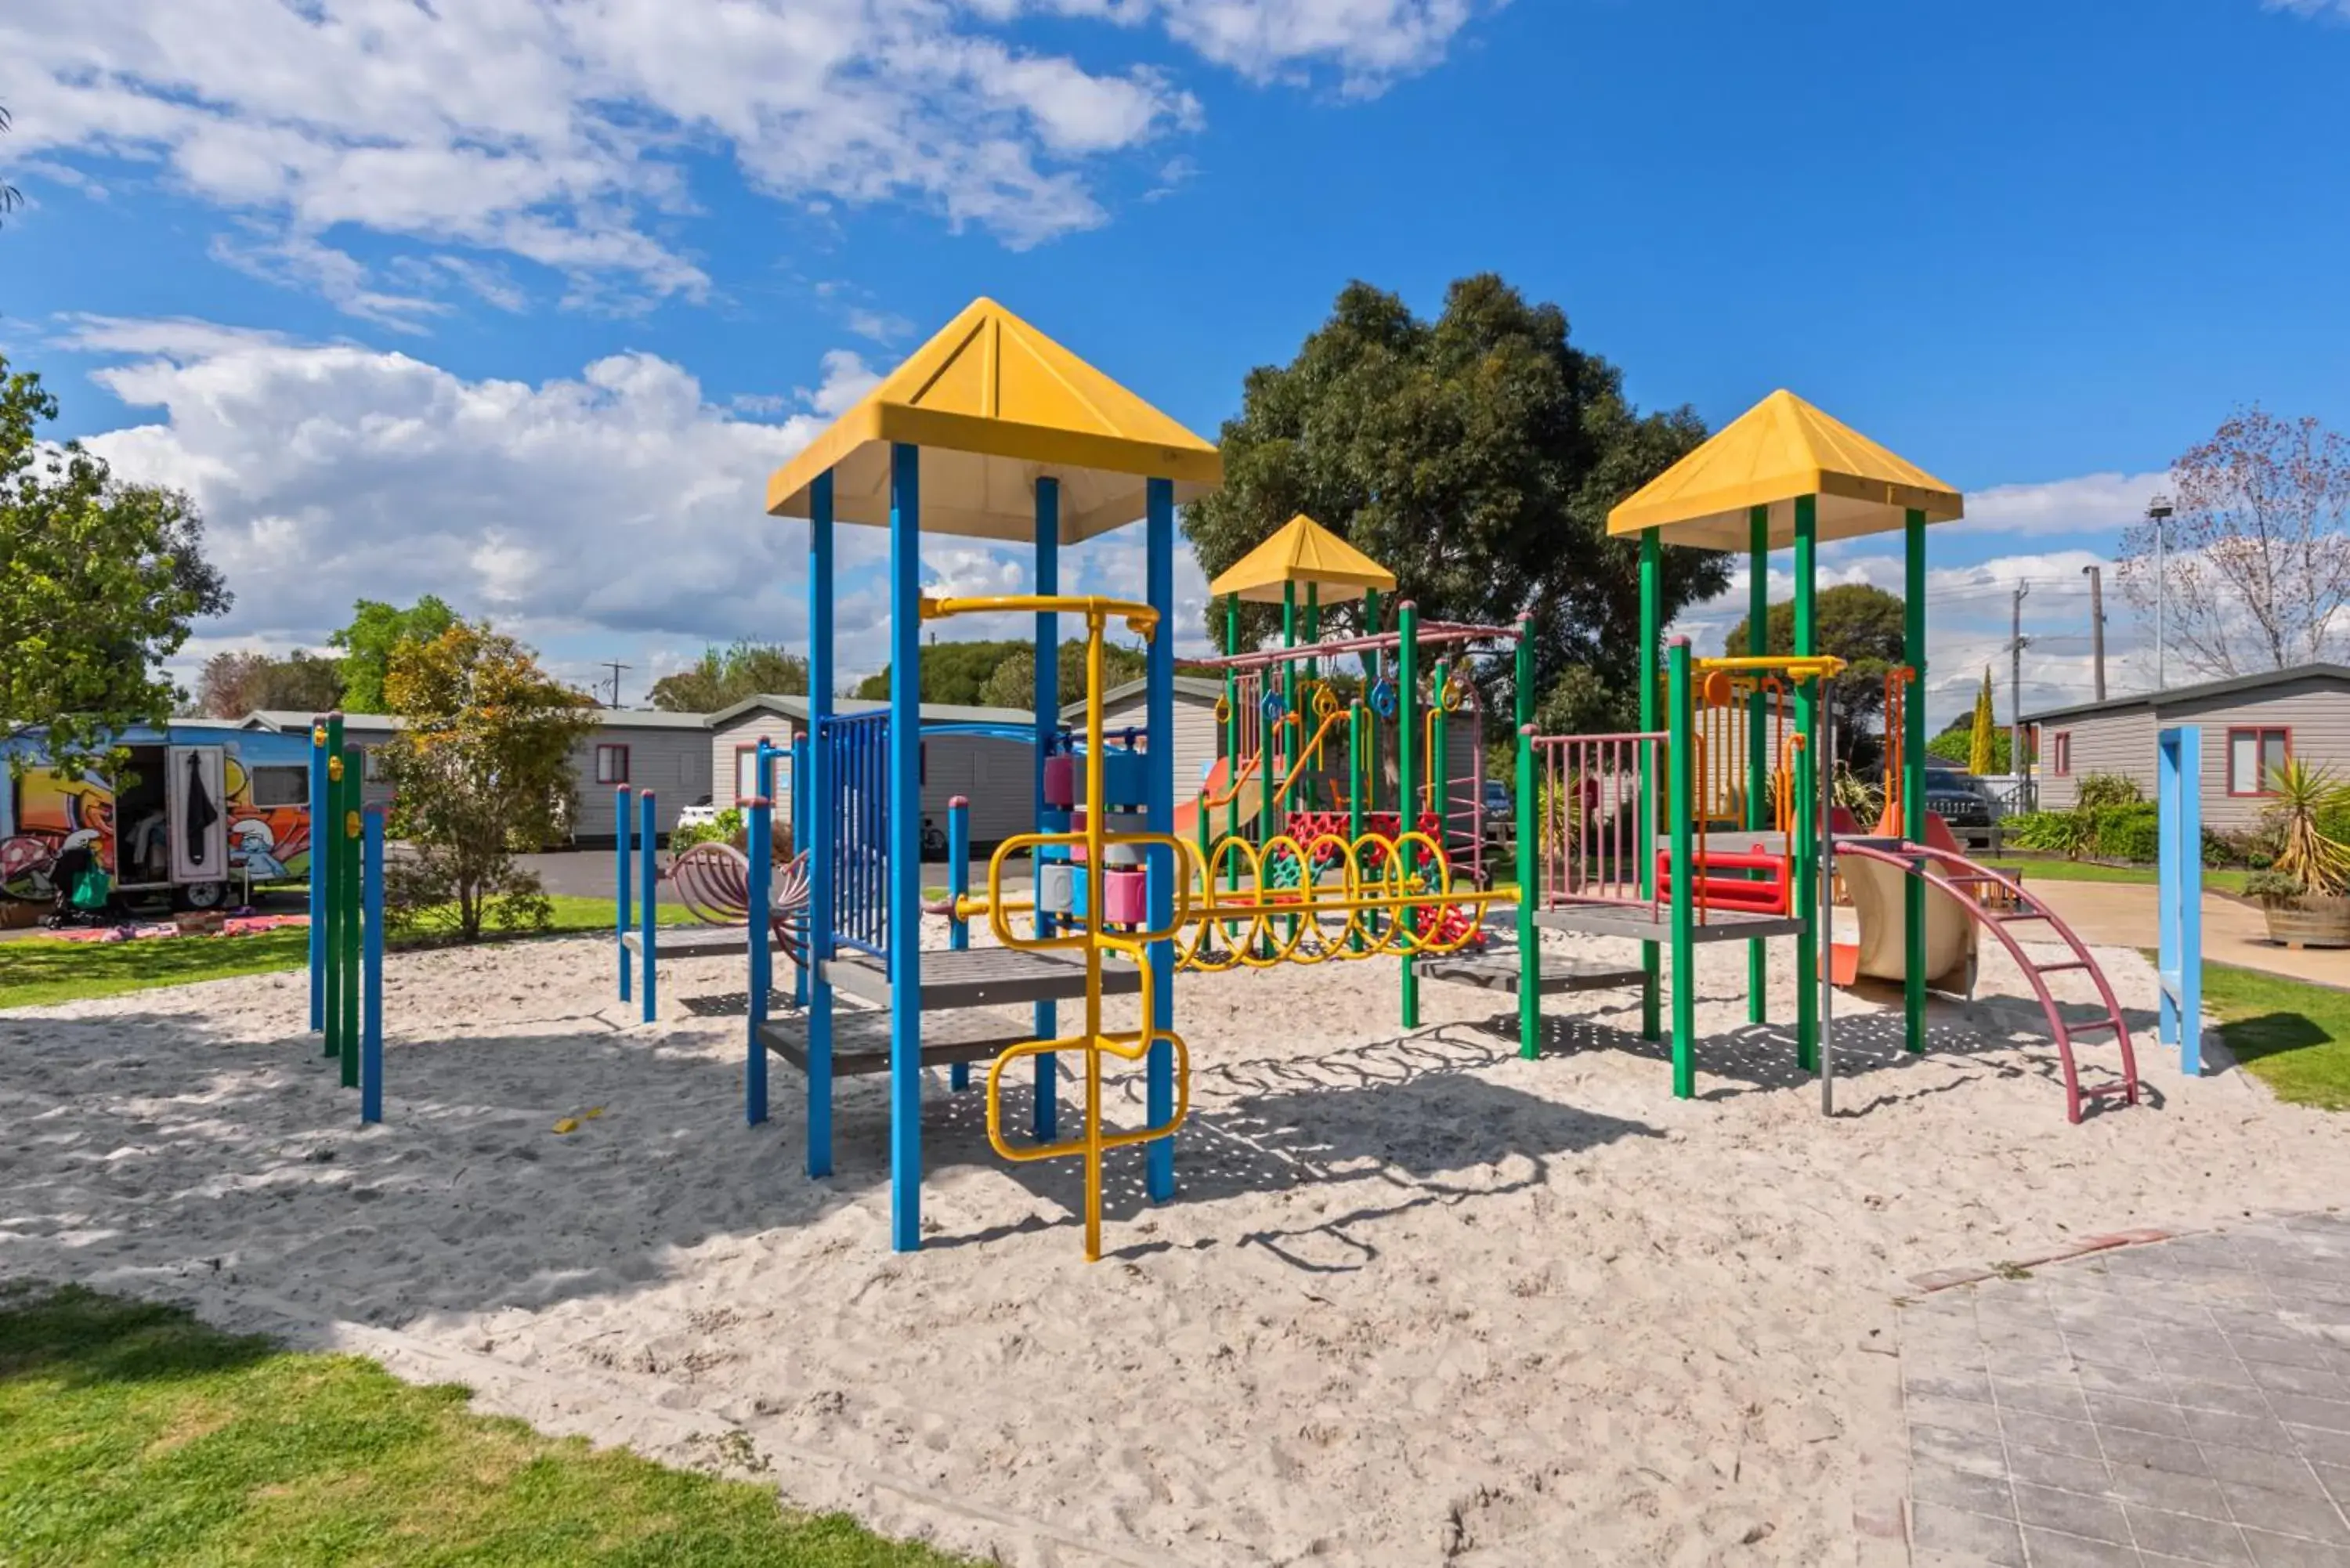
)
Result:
{"points": [[2185, 1402]]}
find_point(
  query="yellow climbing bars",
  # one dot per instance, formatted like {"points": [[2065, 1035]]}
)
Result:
{"points": [[1093, 1041]]}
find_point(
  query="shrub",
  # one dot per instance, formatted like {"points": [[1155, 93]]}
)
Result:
{"points": [[2098, 790], [2271, 887], [2131, 832], [2240, 848], [725, 828], [2059, 832]]}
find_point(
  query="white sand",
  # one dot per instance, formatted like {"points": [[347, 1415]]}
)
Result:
{"points": [[1419, 1300]]}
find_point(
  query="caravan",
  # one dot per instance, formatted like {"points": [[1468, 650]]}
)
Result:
{"points": [[198, 812]]}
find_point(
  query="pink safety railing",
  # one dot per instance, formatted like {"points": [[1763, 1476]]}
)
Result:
{"points": [[1587, 815]]}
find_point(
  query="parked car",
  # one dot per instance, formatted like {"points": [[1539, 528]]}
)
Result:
{"points": [[1965, 806], [1501, 814], [701, 814]]}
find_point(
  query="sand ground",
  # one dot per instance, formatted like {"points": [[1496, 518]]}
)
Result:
{"points": [[1419, 1301]]}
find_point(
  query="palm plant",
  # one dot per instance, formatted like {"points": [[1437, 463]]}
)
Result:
{"points": [[2302, 796]]}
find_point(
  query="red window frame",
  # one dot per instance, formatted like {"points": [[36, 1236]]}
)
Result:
{"points": [[603, 774], [2260, 733], [2060, 754]]}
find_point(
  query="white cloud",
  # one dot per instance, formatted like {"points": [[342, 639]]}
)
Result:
{"points": [[562, 133], [2091, 502], [615, 513], [2309, 8]]}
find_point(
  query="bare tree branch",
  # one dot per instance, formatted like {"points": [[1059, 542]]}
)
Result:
{"points": [[2256, 575]]}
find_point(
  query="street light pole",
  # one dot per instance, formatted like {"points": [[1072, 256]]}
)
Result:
{"points": [[2097, 625], [2157, 512]]}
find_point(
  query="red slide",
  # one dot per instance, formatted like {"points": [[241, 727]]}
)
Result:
{"points": [[1954, 874]]}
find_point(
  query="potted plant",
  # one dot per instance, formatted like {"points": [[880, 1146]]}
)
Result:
{"points": [[2303, 892]]}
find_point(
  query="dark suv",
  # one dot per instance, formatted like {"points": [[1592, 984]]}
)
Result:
{"points": [[1961, 802]]}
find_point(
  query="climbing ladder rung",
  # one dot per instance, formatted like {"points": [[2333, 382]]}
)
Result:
{"points": [[2068, 963], [2020, 915], [2077, 1030]]}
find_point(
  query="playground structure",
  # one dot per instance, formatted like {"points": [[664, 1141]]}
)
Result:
{"points": [[346, 930], [991, 429], [1697, 828]]}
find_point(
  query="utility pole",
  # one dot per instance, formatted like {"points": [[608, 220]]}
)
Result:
{"points": [[2097, 625], [616, 667], [2157, 512], [2016, 753]]}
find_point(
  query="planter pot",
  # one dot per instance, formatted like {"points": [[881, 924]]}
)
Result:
{"points": [[2310, 923]]}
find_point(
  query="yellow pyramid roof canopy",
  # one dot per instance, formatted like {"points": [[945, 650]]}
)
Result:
{"points": [[996, 405], [1778, 449], [1301, 552]]}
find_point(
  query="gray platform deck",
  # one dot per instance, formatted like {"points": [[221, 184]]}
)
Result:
{"points": [[1635, 921], [694, 941], [1502, 972], [860, 1039], [981, 977]]}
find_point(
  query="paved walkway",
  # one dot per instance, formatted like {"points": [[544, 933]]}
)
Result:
{"points": [[2121, 915], [2170, 1403]]}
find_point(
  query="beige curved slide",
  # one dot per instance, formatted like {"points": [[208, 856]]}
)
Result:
{"points": [[1880, 901]]}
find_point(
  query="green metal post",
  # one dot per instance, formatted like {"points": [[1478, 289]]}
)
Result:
{"points": [[325, 833], [1680, 765], [1232, 731], [1408, 715], [347, 915], [1529, 940], [1356, 735], [1758, 735], [1913, 780], [1806, 847], [1311, 782], [1651, 613]]}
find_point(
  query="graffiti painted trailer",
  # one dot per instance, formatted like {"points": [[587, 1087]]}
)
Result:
{"points": [[198, 812]]}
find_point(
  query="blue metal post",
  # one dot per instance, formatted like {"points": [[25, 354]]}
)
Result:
{"points": [[648, 875], [799, 847], [958, 886], [621, 882], [1158, 575], [823, 827], [1046, 1112], [903, 891], [759, 846], [2178, 959], [371, 969], [320, 809]]}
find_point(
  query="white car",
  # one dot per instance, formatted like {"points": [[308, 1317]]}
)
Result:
{"points": [[701, 814]]}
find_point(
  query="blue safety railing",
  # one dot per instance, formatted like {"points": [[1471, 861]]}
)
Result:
{"points": [[857, 755]]}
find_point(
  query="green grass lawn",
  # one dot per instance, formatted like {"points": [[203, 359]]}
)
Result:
{"points": [[2053, 870], [133, 1434], [37, 971], [2293, 1037]]}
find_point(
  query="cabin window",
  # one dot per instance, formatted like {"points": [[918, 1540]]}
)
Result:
{"points": [[2253, 758], [746, 773], [611, 764], [2060, 754]]}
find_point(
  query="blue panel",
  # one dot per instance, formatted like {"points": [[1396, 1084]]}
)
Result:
{"points": [[649, 906], [821, 829], [759, 849], [902, 866], [1045, 1118], [1159, 707], [958, 886]]}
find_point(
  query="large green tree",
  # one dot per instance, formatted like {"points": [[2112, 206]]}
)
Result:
{"points": [[1012, 684], [1867, 629], [978, 674], [481, 770], [376, 632], [99, 581], [723, 676], [1476, 456]]}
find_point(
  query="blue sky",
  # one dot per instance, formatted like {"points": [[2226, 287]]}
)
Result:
{"points": [[517, 301]]}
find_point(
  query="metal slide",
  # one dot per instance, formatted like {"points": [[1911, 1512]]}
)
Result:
{"points": [[1961, 878]]}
